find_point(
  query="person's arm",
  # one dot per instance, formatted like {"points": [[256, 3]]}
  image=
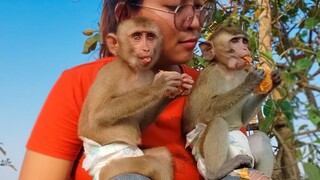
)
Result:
{"points": [[53, 145], [38, 166]]}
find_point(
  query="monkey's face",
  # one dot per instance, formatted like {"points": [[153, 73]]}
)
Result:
{"points": [[145, 46], [239, 45], [239, 49], [177, 46]]}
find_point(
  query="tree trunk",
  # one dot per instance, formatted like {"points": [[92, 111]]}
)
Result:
{"points": [[285, 164]]}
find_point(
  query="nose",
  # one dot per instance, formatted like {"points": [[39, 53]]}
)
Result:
{"points": [[145, 45], [195, 23]]}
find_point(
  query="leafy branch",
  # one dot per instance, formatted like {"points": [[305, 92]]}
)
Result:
{"points": [[6, 161]]}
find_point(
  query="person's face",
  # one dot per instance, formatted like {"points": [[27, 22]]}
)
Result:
{"points": [[177, 46]]}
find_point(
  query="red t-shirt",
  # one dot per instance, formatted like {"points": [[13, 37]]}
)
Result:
{"points": [[55, 132]]}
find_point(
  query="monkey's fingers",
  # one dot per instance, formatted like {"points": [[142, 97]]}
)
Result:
{"points": [[253, 68], [276, 78], [172, 92], [168, 75], [185, 92]]}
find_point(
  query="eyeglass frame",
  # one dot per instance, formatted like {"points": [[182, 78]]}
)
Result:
{"points": [[204, 6]]}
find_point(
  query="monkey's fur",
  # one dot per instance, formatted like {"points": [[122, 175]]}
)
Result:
{"points": [[125, 98], [222, 99]]}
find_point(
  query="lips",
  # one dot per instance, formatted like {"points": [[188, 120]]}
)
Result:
{"points": [[145, 60], [190, 43]]}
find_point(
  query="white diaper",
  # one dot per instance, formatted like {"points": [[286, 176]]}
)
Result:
{"points": [[192, 141], [239, 144], [98, 156]]}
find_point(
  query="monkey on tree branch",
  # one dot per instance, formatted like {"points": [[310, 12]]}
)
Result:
{"points": [[222, 101], [125, 98]]}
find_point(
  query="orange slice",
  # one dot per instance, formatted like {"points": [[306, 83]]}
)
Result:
{"points": [[266, 84]]}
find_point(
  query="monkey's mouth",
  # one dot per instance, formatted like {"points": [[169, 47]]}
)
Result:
{"points": [[145, 60], [248, 59]]}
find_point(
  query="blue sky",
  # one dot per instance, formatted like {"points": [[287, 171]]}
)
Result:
{"points": [[38, 40]]}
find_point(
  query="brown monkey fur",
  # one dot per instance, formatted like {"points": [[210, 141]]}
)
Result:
{"points": [[127, 96], [222, 99]]}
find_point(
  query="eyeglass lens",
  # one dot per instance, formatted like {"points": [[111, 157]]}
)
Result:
{"points": [[206, 14], [184, 16]]}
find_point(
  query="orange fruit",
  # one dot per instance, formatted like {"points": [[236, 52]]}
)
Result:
{"points": [[248, 59], [266, 84]]}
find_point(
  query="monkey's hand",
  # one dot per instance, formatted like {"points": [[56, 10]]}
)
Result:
{"points": [[168, 83], [187, 83], [239, 161], [255, 77], [276, 79]]}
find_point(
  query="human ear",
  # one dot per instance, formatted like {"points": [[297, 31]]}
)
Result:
{"points": [[112, 43]]}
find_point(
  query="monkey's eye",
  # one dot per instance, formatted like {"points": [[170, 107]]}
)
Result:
{"points": [[151, 37], [136, 36], [245, 41], [235, 40]]}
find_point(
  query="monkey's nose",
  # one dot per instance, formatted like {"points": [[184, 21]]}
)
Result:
{"points": [[146, 50]]}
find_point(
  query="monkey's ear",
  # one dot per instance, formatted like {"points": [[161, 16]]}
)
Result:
{"points": [[112, 43], [121, 11], [207, 50]]}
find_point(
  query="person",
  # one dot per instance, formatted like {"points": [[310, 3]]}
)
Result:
{"points": [[54, 150]]}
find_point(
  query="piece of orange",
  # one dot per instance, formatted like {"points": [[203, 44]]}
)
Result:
{"points": [[248, 59], [266, 84]]}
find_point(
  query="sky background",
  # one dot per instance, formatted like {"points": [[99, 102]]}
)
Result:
{"points": [[38, 40]]}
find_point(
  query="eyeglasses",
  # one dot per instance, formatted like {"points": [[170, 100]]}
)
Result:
{"points": [[184, 14]]}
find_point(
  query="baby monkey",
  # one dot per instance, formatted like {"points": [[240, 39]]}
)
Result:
{"points": [[221, 102], [125, 98]]}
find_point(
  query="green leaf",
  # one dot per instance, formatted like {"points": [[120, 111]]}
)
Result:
{"points": [[311, 23], [286, 108], [304, 64], [302, 127], [299, 153], [289, 78], [317, 141], [303, 34], [314, 116], [288, 111], [267, 55], [269, 111], [247, 19], [91, 43], [312, 171]]}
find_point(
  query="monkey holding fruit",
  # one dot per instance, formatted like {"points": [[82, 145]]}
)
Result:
{"points": [[221, 102], [125, 98]]}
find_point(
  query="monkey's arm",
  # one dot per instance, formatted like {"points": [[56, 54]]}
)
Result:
{"points": [[134, 102], [223, 102], [250, 108]]}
